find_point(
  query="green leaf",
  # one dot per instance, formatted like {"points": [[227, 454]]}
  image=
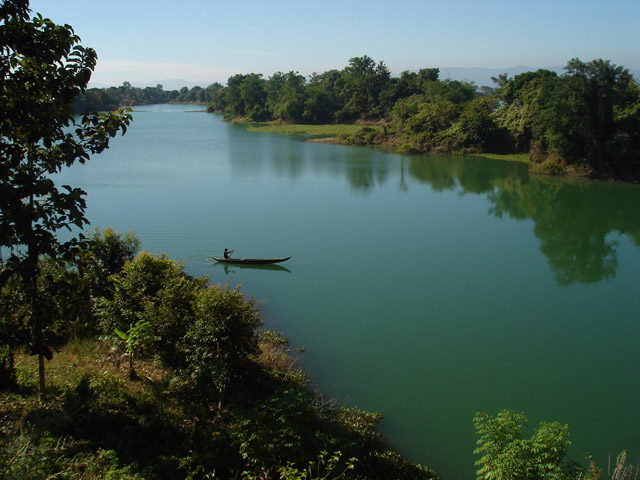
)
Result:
{"points": [[121, 334]]}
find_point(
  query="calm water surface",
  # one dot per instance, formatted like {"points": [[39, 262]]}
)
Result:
{"points": [[426, 288]]}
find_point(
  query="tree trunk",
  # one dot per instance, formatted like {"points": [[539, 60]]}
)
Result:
{"points": [[37, 338], [43, 391]]}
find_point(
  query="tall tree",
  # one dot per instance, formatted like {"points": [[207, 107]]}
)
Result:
{"points": [[592, 116], [361, 85], [254, 97], [365, 83], [286, 96], [520, 112], [324, 97], [42, 70], [478, 127]]}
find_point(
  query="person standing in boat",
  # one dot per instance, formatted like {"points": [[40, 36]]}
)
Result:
{"points": [[227, 253]]}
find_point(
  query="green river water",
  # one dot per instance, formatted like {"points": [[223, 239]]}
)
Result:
{"points": [[426, 288]]}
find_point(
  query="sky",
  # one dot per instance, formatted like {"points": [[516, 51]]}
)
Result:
{"points": [[206, 41]]}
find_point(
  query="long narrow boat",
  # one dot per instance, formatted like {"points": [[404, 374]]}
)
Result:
{"points": [[251, 261]]}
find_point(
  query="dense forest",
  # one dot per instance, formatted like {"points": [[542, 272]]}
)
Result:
{"points": [[586, 121]]}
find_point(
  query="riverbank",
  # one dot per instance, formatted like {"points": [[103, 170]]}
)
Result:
{"points": [[99, 422], [321, 133], [164, 376], [379, 135]]}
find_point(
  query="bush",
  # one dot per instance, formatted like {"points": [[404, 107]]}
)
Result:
{"points": [[109, 252], [548, 167], [219, 343], [387, 464], [364, 136], [507, 454], [50, 457], [171, 314], [141, 291], [282, 426]]}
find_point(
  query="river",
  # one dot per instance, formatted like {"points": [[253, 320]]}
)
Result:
{"points": [[425, 288]]}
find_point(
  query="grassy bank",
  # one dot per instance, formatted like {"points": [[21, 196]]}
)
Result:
{"points": [[99, 423], [344, 131], [508, 157], [172, 378], [375, 135], [328, 131]]}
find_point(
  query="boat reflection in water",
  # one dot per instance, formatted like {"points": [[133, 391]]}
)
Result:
{"points": [[230, 264], [251, 261]]}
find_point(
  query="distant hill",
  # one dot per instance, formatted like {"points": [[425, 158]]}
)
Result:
{"points": [[478, 75], [482, 76]]}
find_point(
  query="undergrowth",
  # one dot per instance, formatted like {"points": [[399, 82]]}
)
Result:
{"points": [[99, 423]]}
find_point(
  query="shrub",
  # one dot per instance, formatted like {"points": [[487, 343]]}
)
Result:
{"points": [[50, 457], [281, 427], [278, 359], [548, 167], [507, 454], [218, 344], [326, 467], [140, 290], [108, 252]]}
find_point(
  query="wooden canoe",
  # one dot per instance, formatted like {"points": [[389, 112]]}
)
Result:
{"points": [[251, 261]]}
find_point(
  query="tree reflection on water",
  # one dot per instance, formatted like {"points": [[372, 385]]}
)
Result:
{"points": [[573, 217]]}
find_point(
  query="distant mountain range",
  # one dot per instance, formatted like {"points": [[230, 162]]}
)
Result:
{"points": [[482, 76], [478, 75]]}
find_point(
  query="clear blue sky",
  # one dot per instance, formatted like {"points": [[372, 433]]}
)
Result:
{"points": [[207, 40]]}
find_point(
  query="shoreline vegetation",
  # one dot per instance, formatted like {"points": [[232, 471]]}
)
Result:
{"points": [[345, 134], [584, 122], [161, 375], [376, 135]]}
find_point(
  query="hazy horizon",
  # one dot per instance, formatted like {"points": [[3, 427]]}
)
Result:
{"points": [[202, 42], [481, 76]]}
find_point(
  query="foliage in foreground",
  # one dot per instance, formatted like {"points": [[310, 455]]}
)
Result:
{"points": [[157, 428], [59, 458], [507, 454], [181, 384], [43, 68]]}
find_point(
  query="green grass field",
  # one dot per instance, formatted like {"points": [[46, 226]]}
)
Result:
{"points": [[510, 157], [318, 130]]}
